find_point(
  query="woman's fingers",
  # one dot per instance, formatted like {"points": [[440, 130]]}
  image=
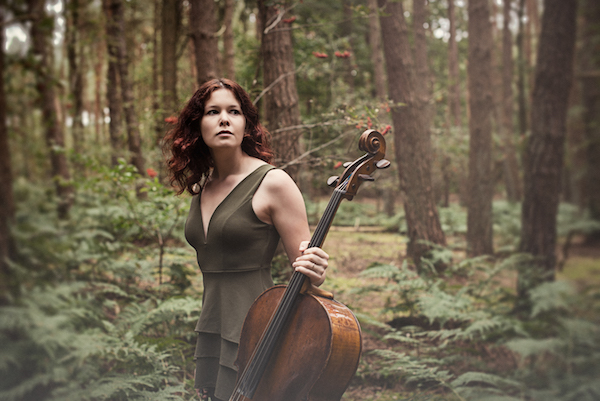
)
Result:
{"points": [[313, 263]]}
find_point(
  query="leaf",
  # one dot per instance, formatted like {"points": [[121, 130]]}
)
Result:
{"points": [[528, 346], [551, 297], [479, 378]]}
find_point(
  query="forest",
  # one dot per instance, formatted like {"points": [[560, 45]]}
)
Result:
{"points": [[472, 263]]}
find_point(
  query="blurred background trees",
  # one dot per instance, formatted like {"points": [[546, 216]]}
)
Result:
{"points": [[485, 104], [108, 77]]}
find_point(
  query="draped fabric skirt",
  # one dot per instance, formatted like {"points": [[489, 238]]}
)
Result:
{"points": [[215, 364]]}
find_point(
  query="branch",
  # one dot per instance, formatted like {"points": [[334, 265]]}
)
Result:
{"points": [[278, 19], [305, 154], [268, 88], [309, 126]]}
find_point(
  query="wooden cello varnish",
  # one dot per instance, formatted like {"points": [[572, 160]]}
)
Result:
{"points": [[317, 355]]}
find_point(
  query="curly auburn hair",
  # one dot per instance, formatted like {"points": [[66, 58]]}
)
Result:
{"points": [[190, 159]]}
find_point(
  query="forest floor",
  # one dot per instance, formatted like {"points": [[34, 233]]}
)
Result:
{"points": [[353, 250]]}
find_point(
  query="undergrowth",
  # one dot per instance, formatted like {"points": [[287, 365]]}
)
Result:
{"points": [[106, 309], [108, 301], [457, 336]]}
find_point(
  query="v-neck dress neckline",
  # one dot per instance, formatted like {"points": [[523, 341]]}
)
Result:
{"points": [[206, 231], [234, 231]]}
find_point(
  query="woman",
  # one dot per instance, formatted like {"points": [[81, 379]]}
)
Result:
{"points": [[242, 206]]}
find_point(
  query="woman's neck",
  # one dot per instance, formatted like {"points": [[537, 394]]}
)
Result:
{"points": [[230, 163]]}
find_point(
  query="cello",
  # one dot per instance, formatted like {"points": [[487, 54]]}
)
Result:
{"points": [[297, 342]]}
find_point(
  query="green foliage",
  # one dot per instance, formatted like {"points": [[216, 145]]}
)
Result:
{"points": [[442, 328], [94, 320], [60, 342]]}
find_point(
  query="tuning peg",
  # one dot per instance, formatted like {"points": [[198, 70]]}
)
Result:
{"points": [[332, 181], [366, 177], [383, 163], [346, 164]]}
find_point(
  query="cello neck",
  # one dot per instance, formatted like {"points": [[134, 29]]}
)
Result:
{"points": [[325, 221]]}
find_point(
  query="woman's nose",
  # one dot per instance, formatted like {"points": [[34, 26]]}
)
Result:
{"points": [[224, 119]]}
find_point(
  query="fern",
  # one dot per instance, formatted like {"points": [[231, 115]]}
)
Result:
{"points": [[502, 387], [551, 297], [78, 354]]}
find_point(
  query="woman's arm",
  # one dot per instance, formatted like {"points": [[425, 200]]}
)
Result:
{"points": [[278, 201]]}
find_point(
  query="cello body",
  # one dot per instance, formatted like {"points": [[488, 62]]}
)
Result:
{"points": [[316, 357]]}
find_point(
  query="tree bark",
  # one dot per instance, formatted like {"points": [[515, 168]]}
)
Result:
{"points": [[134, 140], [279, 77], [228, 42], [421, 63], [75, 71], [72, 31], [159, 124], [7, 200], [203, 22], [99, 104], [411, 134], [510, 161], [454, 78], [545, 147], [589, 76], [41, 34], [169, 36], [112, 86], [376, 51], [521, 67], [480, 183]]}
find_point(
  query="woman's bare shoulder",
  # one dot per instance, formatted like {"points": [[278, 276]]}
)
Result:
{"points": [[278, 180]]}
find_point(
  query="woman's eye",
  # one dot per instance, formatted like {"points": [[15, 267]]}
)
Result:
{"points": [[211, 112], [235, 111]]}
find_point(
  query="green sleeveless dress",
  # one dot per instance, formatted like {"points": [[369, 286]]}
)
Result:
{"points": [[235, 260]]}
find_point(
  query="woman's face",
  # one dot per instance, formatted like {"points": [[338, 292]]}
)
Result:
{"points": [[223, 124]]}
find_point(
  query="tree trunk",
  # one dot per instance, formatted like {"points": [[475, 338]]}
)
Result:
{"points": [[75, 72], [376, 50], [510, 161], [411, 134], [98, 102], [228, 43], [531, 35], [112, 85], [545, 148], [41, 34], [480, 183], [134, 141], [7, 201], [203, 29], [590, 92], [521, 67], [279, 79], [421, 63], [169, 34], [159, 124], [454, 78]]}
